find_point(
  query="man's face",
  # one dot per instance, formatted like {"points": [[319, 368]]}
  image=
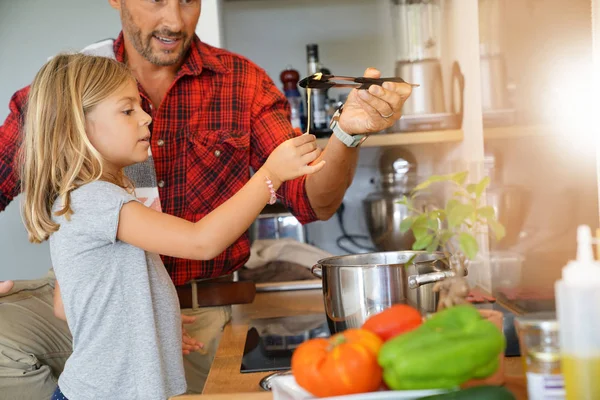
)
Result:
{"points": [[160, 30]]}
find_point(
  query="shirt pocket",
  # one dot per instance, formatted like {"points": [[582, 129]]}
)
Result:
{"points": [[217, 166]]}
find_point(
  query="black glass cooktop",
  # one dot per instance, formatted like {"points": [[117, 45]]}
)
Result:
{"points": [[270, 342]]}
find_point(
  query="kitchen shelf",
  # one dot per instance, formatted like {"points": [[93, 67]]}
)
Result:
{"points": [[407, 138], [515, 131]]}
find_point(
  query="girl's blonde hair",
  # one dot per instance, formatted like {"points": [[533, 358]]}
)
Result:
{"points": [[57, 156]]}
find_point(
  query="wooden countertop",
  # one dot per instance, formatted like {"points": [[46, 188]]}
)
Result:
{"points": [[225, 380]]}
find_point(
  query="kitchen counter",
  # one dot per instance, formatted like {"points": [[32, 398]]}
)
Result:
{"points": [[225, 380]]}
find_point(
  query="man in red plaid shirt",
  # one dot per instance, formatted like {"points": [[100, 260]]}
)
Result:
{"points": [[215, 115]]}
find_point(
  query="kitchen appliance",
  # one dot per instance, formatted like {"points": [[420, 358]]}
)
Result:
{"points": [[496, 89], [383, 213], [417, 28], [270, 342], [360, 285], [276, 222]]}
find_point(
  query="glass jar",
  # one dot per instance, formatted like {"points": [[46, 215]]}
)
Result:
{"points": [[540, 351]]}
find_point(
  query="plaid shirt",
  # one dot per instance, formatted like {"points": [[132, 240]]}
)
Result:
{"points": [[221, 115]]}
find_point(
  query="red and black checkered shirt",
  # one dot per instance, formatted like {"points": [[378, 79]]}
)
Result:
{"points": [[222, 115]]}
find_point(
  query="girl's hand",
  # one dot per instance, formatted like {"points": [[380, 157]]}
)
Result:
{"points": [[189, 344], [291, 158]]}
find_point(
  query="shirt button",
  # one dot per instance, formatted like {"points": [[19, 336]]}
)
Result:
{"points": [[161, 184], [217, 153], [160, 143]]}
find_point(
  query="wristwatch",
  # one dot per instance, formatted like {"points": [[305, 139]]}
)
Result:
{"points": [[347, 139]]}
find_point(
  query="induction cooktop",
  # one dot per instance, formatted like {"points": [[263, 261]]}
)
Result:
{"points": [[270, 342]]}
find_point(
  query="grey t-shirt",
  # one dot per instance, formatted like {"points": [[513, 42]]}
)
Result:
{"points": [[120, 303]]}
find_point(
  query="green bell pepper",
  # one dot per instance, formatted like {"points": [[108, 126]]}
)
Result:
{"points": [[450, 348]]}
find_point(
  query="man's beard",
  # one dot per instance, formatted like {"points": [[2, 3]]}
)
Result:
{"points": [[144, 45]]}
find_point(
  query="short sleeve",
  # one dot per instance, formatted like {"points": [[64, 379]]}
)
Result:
{"points": [[96, 209]]}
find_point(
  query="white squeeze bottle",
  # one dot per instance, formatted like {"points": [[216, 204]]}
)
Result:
{"points": [[578, 313]]}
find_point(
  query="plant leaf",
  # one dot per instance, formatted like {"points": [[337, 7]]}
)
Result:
{"points": [[434, 244], [459, 214], [445, 236], [468, 245], [406, 224], [433, 224], [436, 214], [403, 200], [480, 187], [419, 232], [497, 228], [487, 212], [460, 177], [471, 187], [450, 205], [432, 179], [423, 242]]}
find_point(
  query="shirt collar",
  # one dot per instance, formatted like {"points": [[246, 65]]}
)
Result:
{"points": [[200, 56]]}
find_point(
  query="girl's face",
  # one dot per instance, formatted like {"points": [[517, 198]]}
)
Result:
{"points": [[118, 128]]}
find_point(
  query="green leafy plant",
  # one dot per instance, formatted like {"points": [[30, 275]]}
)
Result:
{"points": [[457, 224]]}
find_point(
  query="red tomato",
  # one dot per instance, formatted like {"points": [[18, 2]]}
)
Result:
{"points": [[344, 364], [393, 321]]}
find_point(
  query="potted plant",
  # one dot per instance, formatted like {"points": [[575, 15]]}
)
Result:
{"points": [[452, 228]]}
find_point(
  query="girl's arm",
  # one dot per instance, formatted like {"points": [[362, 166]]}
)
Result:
{"points": [[59, 308], [204, 240]]}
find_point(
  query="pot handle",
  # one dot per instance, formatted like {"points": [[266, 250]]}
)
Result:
{"points": [[414, 281], [317, 271]]}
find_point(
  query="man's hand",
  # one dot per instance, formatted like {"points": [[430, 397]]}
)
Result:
{"points": [[5, 286], [189, 344], [375, 109]]}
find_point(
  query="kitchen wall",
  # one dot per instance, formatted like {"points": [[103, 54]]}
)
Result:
{"points": [[38, 29]]}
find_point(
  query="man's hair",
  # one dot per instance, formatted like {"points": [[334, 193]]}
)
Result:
{"points": [[56, 155]]}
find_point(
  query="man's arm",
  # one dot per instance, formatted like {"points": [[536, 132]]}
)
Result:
{"points": [[326, 189], [10, 141], [365, 112], [319, 196]]}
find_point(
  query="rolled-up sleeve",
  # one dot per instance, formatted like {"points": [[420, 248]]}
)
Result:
{"points": [[10, 141]]}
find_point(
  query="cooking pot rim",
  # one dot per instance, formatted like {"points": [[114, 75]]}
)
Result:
{"points": [[331, 261]]}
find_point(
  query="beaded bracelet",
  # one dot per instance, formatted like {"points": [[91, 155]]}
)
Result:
{"points": [[273, 198]]}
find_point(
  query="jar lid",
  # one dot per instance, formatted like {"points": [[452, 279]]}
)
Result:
{"points": [[545, 320]]}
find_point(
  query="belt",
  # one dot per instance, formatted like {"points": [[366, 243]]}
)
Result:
{"points": [[220, 291]]}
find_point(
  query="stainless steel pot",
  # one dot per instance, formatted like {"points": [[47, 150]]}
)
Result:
{"points": [[360, 285]]}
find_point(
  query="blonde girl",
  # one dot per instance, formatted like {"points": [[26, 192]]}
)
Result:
{"points": [[84, 124]]}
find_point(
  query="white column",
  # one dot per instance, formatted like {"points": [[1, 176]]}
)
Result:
{"points": [[462, 45], [596, 83], [210, 26]]}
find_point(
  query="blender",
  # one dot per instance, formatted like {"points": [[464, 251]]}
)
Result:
{"points": [[417, 32], [496, 89]]}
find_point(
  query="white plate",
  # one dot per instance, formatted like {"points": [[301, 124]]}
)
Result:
{"points": [[285, 388]]}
